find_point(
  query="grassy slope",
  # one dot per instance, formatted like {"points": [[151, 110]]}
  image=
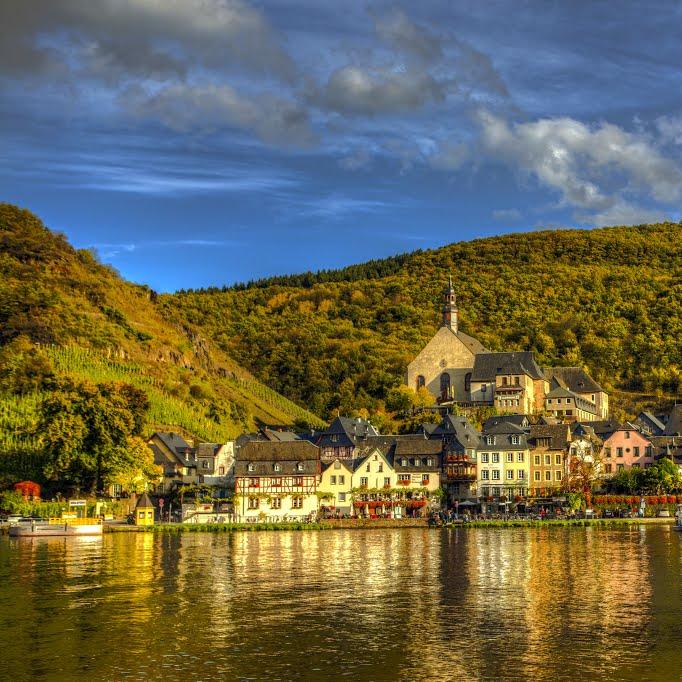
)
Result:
{"points": [[607, 299], [93, 324]]}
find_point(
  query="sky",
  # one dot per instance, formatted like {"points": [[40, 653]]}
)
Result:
{"points": [[198, 143]]}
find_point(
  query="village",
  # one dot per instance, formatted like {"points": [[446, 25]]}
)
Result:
{"points": [[550, 450]]}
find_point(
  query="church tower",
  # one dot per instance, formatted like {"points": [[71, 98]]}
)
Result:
{"points": [[450, 308]]}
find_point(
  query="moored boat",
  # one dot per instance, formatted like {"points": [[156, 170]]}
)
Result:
{"points": [[55, 527]]}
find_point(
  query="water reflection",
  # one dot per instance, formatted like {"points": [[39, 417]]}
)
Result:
{"points": [[547, 603]]}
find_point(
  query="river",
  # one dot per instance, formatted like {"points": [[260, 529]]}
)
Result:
{"points": [[410, 604]]}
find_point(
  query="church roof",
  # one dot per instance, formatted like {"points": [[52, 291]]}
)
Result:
{"points": [[488, 365], [474, 345]]}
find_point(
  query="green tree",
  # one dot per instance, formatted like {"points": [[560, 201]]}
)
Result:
{"points": [[85, 428]]}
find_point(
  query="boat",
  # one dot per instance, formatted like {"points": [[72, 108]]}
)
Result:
{"points": [[37, 528]]}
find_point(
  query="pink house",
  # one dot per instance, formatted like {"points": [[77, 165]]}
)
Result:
{"points": [[626, 448]]}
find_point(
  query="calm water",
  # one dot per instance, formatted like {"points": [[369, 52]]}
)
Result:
{"points": [[512, 604]]}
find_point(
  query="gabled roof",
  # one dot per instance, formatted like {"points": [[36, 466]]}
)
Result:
{"points": [[649, 422], [603, 428], [488, 365], [474, 345], [575, 379], [411, 445], [521, 420], [281, 436], [183, 452], [503, 428], [208, 449]]}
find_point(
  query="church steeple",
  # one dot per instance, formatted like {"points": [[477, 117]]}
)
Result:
{"points": [[450, 307]]}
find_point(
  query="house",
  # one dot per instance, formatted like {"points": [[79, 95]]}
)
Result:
{"points": [[511, 382], [579, 382], [569, 406], [584, 465], [417, 463], [373, 484], [276, 480], [521, 420], [548, 458], [177, 458], [215, 463], [626, 448], [460, 441], [649, 424], [503, 463], [445, 364], [341, 438], [336, 487], [673, 425]]}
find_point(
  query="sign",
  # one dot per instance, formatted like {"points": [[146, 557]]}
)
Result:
{"points": [[161, 502], [76, 503]]}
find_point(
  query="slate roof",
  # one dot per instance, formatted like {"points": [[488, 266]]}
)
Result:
{"points": [[263, 455], [576, 379], [673, 426], [280, 436], [558, 434], [649, 422], [177, 445], [503, 433], [488, 365], [345, 431], [520, 420], [144, 501], [474, 345], [410, 445], [603, 428]]}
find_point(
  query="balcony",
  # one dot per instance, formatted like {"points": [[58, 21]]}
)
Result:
{"points": [[463, 476]]}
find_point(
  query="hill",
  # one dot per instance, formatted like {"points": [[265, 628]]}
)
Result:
{"points": [[608, 299], [60, 308]]}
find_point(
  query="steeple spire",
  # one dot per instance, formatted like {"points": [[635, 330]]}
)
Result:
{"points": [[450, 311]]}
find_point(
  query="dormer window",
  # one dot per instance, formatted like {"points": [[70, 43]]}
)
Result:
{"points": [[403, 461], [429, 462], [299, 466], [251, 466], [277, 467], [515, 440], [490, 440]]}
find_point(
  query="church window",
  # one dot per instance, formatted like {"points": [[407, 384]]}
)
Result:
{"points": [[421, 381], [445, 385]]}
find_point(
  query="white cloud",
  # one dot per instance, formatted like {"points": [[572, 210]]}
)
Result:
{"points": [[508, 215], [594, 168]]}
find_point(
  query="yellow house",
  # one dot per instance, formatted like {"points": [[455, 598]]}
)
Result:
{"points": [[503, 463], [144, 511], [336, 485]]}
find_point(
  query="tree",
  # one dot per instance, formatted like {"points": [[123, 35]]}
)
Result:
{"points": [[133, 466], [85, 429], [662, 477]]}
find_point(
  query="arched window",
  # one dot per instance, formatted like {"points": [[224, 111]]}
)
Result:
{"points": [[421, 381], [444, 385]]}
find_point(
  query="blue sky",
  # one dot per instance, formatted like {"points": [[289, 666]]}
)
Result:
{"points": [[205, 142]]}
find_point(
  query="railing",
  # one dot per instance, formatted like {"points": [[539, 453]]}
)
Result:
{"points": [[84, 521]]}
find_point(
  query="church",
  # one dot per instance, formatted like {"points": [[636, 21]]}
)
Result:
{"points": [[456, 368]]}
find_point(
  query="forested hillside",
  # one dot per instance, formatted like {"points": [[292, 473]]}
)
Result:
{"points": [[608, 299], [65, 316]]}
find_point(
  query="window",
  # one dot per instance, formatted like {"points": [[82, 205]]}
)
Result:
{"points": [[276, 482], [221, 471], [520, 474], [536, 475], [504, 381], [337, 464], [510, 474], [429, 462], [425, 479], [557, 459], [297, 502], [515, 440], [381, 467], [332, 480], [536, 459], [367, 469], [496, 457], [517, 381], [485, 474], [520, 457], [627, 434], [298, 481], [299, 466], [277, 467], [619, 467], [635, 451], [342, 480], [254, 482], [510, 456], [204, 463], [607, 452], [619, 452], [403, 462], [342, 497], [548, 475], [496, 474], [467, 382], [421, 381], [649, 451], [445, 386], [635, 465], [549, 401], [557, 475], [607, 468], [416, 461], [387, 481], [404, 477], [485, 457], [548, 460], [251, 467], [364, 481], [569, 413], [254, 503], [276, 502], [490, 440]]}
